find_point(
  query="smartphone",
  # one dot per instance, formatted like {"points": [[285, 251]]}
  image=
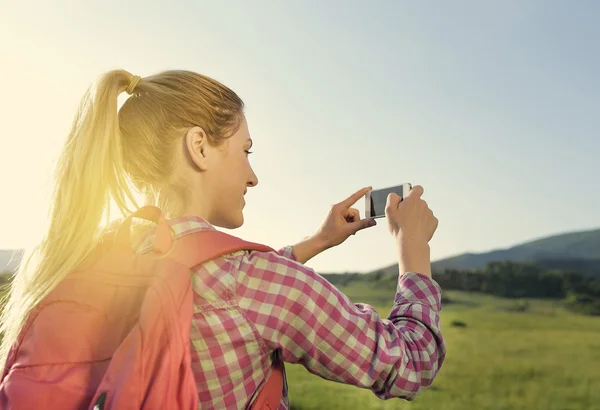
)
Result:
{"points": [[376, 199]]}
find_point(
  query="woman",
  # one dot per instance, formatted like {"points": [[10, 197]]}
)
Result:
{"points": [[182, 140]]}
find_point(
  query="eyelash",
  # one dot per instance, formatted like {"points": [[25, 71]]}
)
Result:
{"points": [[248, 152]]}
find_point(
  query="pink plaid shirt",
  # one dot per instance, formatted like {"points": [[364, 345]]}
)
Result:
{"points": [[251, 308]]}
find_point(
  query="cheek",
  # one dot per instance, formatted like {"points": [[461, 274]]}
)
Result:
{"points": [[244, 167], [238, 173], [235, 174]]}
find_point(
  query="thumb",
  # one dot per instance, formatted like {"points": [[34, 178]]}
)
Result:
{"points": [[393, 200], [362, 224]]}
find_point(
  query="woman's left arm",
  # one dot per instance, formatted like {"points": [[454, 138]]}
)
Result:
{"points": [[341, 222], [308, 249]]}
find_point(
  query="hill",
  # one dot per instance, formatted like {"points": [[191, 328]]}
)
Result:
{"points": [[578, 251]]}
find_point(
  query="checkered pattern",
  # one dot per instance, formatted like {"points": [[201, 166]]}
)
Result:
{"points": [[251, 306]]}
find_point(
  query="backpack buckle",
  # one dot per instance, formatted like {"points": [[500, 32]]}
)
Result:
{"points": [[164, 238]]}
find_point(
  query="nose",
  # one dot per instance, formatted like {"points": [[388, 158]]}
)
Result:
{"points": [[253, 181]]}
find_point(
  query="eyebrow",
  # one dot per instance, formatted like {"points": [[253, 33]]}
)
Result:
{"points": [[250, 141]]}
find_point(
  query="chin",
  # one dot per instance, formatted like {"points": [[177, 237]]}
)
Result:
{"points": [[231, 223]]}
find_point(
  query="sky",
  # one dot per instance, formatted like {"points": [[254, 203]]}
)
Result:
{"points": [[493, 107]]}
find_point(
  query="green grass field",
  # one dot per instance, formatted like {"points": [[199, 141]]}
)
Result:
{"points": [[544, 358]]}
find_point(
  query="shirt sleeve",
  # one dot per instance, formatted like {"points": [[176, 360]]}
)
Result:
{"points": [[298, 311], [288, 253]]}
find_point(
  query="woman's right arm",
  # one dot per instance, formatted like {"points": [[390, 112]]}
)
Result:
{"points": [[298, 311]]}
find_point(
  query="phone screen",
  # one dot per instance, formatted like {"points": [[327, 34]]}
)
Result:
{"points": [[379, 199]]}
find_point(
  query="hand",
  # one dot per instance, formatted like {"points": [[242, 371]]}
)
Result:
{"points": [[344, 221], [412, 223], [410, 217]]}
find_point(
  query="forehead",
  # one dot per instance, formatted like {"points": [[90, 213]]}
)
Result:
{"points": [[242, 135]]}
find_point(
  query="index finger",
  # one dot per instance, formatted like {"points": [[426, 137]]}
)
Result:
{"points": [[351, 200], [416, 191]]}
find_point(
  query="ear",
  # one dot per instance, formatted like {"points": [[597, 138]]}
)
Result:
{"points": [[197, 147]]}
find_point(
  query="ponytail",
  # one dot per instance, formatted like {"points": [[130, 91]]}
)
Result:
{"points": [[107, 150], [90, 173]]}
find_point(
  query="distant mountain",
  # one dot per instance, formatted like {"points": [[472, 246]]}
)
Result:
{"points": [[575, 250], [10, 259], [568, 246]]}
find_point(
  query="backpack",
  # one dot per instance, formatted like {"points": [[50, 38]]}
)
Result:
{"points": [[115, 334]]}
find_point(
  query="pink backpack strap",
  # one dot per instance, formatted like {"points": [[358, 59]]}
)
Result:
{"points": [[270, 395], [199, 247], [194, 249]]}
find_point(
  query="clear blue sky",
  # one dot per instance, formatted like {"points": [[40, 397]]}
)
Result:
{"points": [[494, 107]]}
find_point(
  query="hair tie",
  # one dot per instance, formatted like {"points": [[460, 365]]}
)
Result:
{"points": [[132, 84]]}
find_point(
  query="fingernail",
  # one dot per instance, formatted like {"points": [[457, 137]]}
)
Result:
{"points": [[372, 222]]}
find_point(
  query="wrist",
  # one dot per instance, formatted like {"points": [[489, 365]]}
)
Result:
{"points": [[414, 257], [320, 241], [309, 248]]}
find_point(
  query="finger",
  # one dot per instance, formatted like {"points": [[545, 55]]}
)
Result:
{"points": [[351, 200], [415, 192], [393, 200], [352, 215], [435, 226], [363, 224]]}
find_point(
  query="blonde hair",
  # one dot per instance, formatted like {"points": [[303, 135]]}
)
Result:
{"points": [[106, 152]]}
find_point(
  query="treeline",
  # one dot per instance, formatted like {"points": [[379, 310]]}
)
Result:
{"points": [[581, 292]]}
